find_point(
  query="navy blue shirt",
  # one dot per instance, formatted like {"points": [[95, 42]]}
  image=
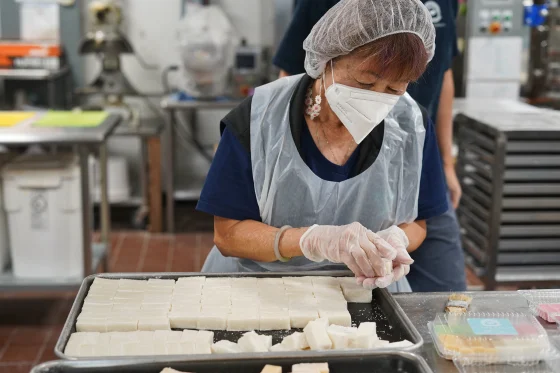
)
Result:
{"points": [[290, 56], [229, 190]]}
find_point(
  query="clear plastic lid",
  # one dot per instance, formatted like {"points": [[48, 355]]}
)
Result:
{"points": [[488, 338], [543, 303]]}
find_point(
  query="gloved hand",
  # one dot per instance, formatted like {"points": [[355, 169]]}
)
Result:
{"points": [[401, 265], [363, 251]]}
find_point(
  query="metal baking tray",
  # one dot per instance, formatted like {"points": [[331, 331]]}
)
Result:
{"points": [[524, 244], [532, 175], [532, 146], [532, 188], [530, 230], [392, 323], [533, 160], [375, 362], [528, 203]]}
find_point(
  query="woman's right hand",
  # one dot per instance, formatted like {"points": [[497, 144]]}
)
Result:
{"points": [[363, 251]]}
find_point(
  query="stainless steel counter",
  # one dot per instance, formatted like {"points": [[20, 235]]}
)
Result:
{"points": [[422, 308], [26, 133]]}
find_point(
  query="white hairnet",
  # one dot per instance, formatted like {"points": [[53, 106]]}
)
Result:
{"points": [[353, 23]]}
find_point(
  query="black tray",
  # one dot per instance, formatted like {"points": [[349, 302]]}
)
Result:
{"points": [[392, 323], [375, 362]]}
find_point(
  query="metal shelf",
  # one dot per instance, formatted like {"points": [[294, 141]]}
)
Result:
{"points": [[8, 282], [32, 74], [133, 201]]}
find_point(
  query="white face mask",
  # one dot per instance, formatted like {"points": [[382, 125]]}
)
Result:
{"points": [[358, 109]]}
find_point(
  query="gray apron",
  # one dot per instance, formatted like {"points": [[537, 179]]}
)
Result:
{"points": [[289, 193]]}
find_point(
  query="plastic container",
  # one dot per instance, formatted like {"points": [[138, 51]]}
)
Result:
{"points": [[119, 186], [43, 205], [543, 303], [490, 338]]}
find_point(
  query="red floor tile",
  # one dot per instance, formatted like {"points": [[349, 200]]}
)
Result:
{"points": [[15, 368], [20, 353], [31, 335], [48, 353], [5, 334], [157, 255]]}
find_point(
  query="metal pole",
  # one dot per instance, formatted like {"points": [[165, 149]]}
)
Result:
{"points": [[51, 92], [170, 172], [105, 207], [86, 209]]}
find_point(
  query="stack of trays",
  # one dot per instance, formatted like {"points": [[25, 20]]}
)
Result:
{"points": [[509, 167]]}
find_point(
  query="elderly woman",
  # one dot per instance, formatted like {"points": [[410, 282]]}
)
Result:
{"points": [[337, 168]]}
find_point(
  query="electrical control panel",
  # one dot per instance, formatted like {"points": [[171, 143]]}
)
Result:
{"points": [[494, 47], [495, 18]]}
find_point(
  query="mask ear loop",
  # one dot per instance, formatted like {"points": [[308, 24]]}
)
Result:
{"points": [[332, 72]]}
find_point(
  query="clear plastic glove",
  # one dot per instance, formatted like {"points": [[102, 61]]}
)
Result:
{"points": [[396, 237], [363, 251]]}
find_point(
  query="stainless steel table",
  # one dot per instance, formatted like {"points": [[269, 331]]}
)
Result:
{"points": [[149, 131], [171, 105], [422, 308], [83, 140]]}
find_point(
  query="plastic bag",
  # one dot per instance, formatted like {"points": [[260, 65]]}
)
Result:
{"points": [[206, 41]]}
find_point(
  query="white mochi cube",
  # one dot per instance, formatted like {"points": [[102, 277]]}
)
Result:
{"points": [[300, 318], [154, 323], [295, 341], [341, 336], [310, 368], [239, 321], [212, 321], [122, 324], [316, 334], [189, 335], [91, 325], [274, 321], [252, 342], [337, 317], [357, 294], [225, 347], [366, 336], [182, 319]]}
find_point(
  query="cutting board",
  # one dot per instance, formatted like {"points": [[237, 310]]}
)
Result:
{"points": [[13, 118], [72, 119]]}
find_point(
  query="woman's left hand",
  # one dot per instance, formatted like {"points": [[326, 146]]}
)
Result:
{"points": [[396, 237]]}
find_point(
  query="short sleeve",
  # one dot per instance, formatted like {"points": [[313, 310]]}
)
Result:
{"points": [[229, 189], [290, 56], [432, 199]]}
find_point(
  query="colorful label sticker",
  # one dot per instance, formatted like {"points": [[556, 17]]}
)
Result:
{"points": [[492, 327]]}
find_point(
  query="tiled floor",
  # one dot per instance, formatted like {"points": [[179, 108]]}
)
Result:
{"points": [[29, 328]]}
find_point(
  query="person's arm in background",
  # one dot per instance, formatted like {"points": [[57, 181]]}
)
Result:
{"points": [[444, 131], [290, 56]]}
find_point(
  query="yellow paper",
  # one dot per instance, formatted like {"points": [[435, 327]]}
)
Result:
{"points": [[12, 118], [72, 119]]}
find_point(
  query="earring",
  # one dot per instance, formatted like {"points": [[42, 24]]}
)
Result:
{"points": [[313, 107]]}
